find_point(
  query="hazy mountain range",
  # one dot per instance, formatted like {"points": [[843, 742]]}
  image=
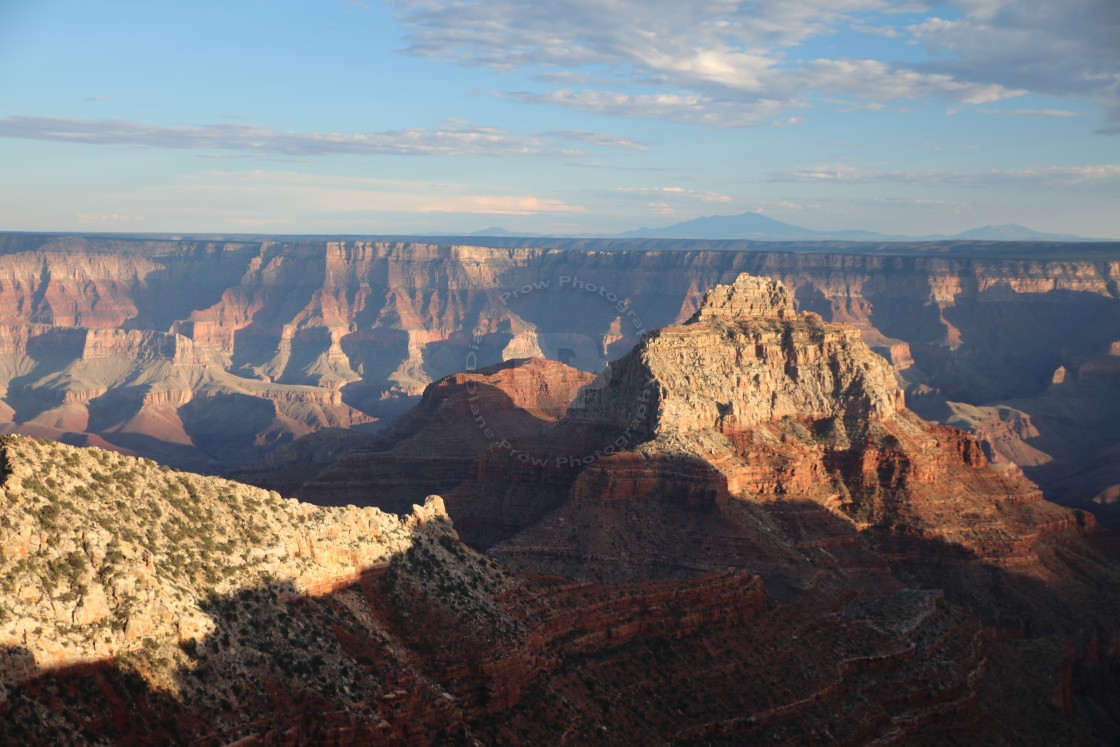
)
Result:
{"points": [[760, 228]]}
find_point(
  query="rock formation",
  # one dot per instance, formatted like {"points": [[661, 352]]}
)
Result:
{"points": [[778, 444], [210, 354], [796, 556], [431, 448], [103, 551], [774, 442]]}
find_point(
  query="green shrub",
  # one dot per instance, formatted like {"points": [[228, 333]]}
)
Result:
{"points": [[50, 513]]}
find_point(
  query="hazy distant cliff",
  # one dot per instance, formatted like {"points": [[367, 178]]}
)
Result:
{"points": [[208, 354]]}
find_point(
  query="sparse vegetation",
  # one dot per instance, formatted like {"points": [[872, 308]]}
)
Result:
{"points": [[122, 552]]}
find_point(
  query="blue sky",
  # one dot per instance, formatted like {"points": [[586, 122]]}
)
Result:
{"points": [[572, 116]]}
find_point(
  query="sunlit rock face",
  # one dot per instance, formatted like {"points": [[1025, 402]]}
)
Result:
{"points": [[745, 357]]}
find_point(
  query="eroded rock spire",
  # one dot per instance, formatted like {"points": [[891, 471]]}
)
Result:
{"points": [[749, 297]]}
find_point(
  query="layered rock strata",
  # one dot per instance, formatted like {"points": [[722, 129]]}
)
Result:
{"points": [[362, 327], [774, 438]]}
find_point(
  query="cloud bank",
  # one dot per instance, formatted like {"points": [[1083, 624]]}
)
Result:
{"points": [[460, 140], [1104, 176], [731, 63]]}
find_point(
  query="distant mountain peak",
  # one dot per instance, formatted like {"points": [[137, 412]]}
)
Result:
{"points": [[499, 231], [1013, 232], [746, 225], [755, 226]]}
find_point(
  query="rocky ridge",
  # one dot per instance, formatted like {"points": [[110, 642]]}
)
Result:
{"points": [[773, 441], [342, 626], [104, 552], [750, 437], [431, 448]]}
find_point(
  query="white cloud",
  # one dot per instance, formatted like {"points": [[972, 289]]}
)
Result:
{"points": [[877, 81], [678, 107], [598, 138], [889, 32], [845, 106], [571, 33], [661, 209], [678, 194], [1069, 48], [455, 140], [740, 56], [1044, 177], [288, 192]]}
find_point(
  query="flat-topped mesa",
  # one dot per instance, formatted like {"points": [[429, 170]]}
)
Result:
{"points": [[749, 297], [744, 359]]}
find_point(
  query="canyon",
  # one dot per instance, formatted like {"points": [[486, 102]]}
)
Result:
{"points": [[736, 532], [209, 355]]}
